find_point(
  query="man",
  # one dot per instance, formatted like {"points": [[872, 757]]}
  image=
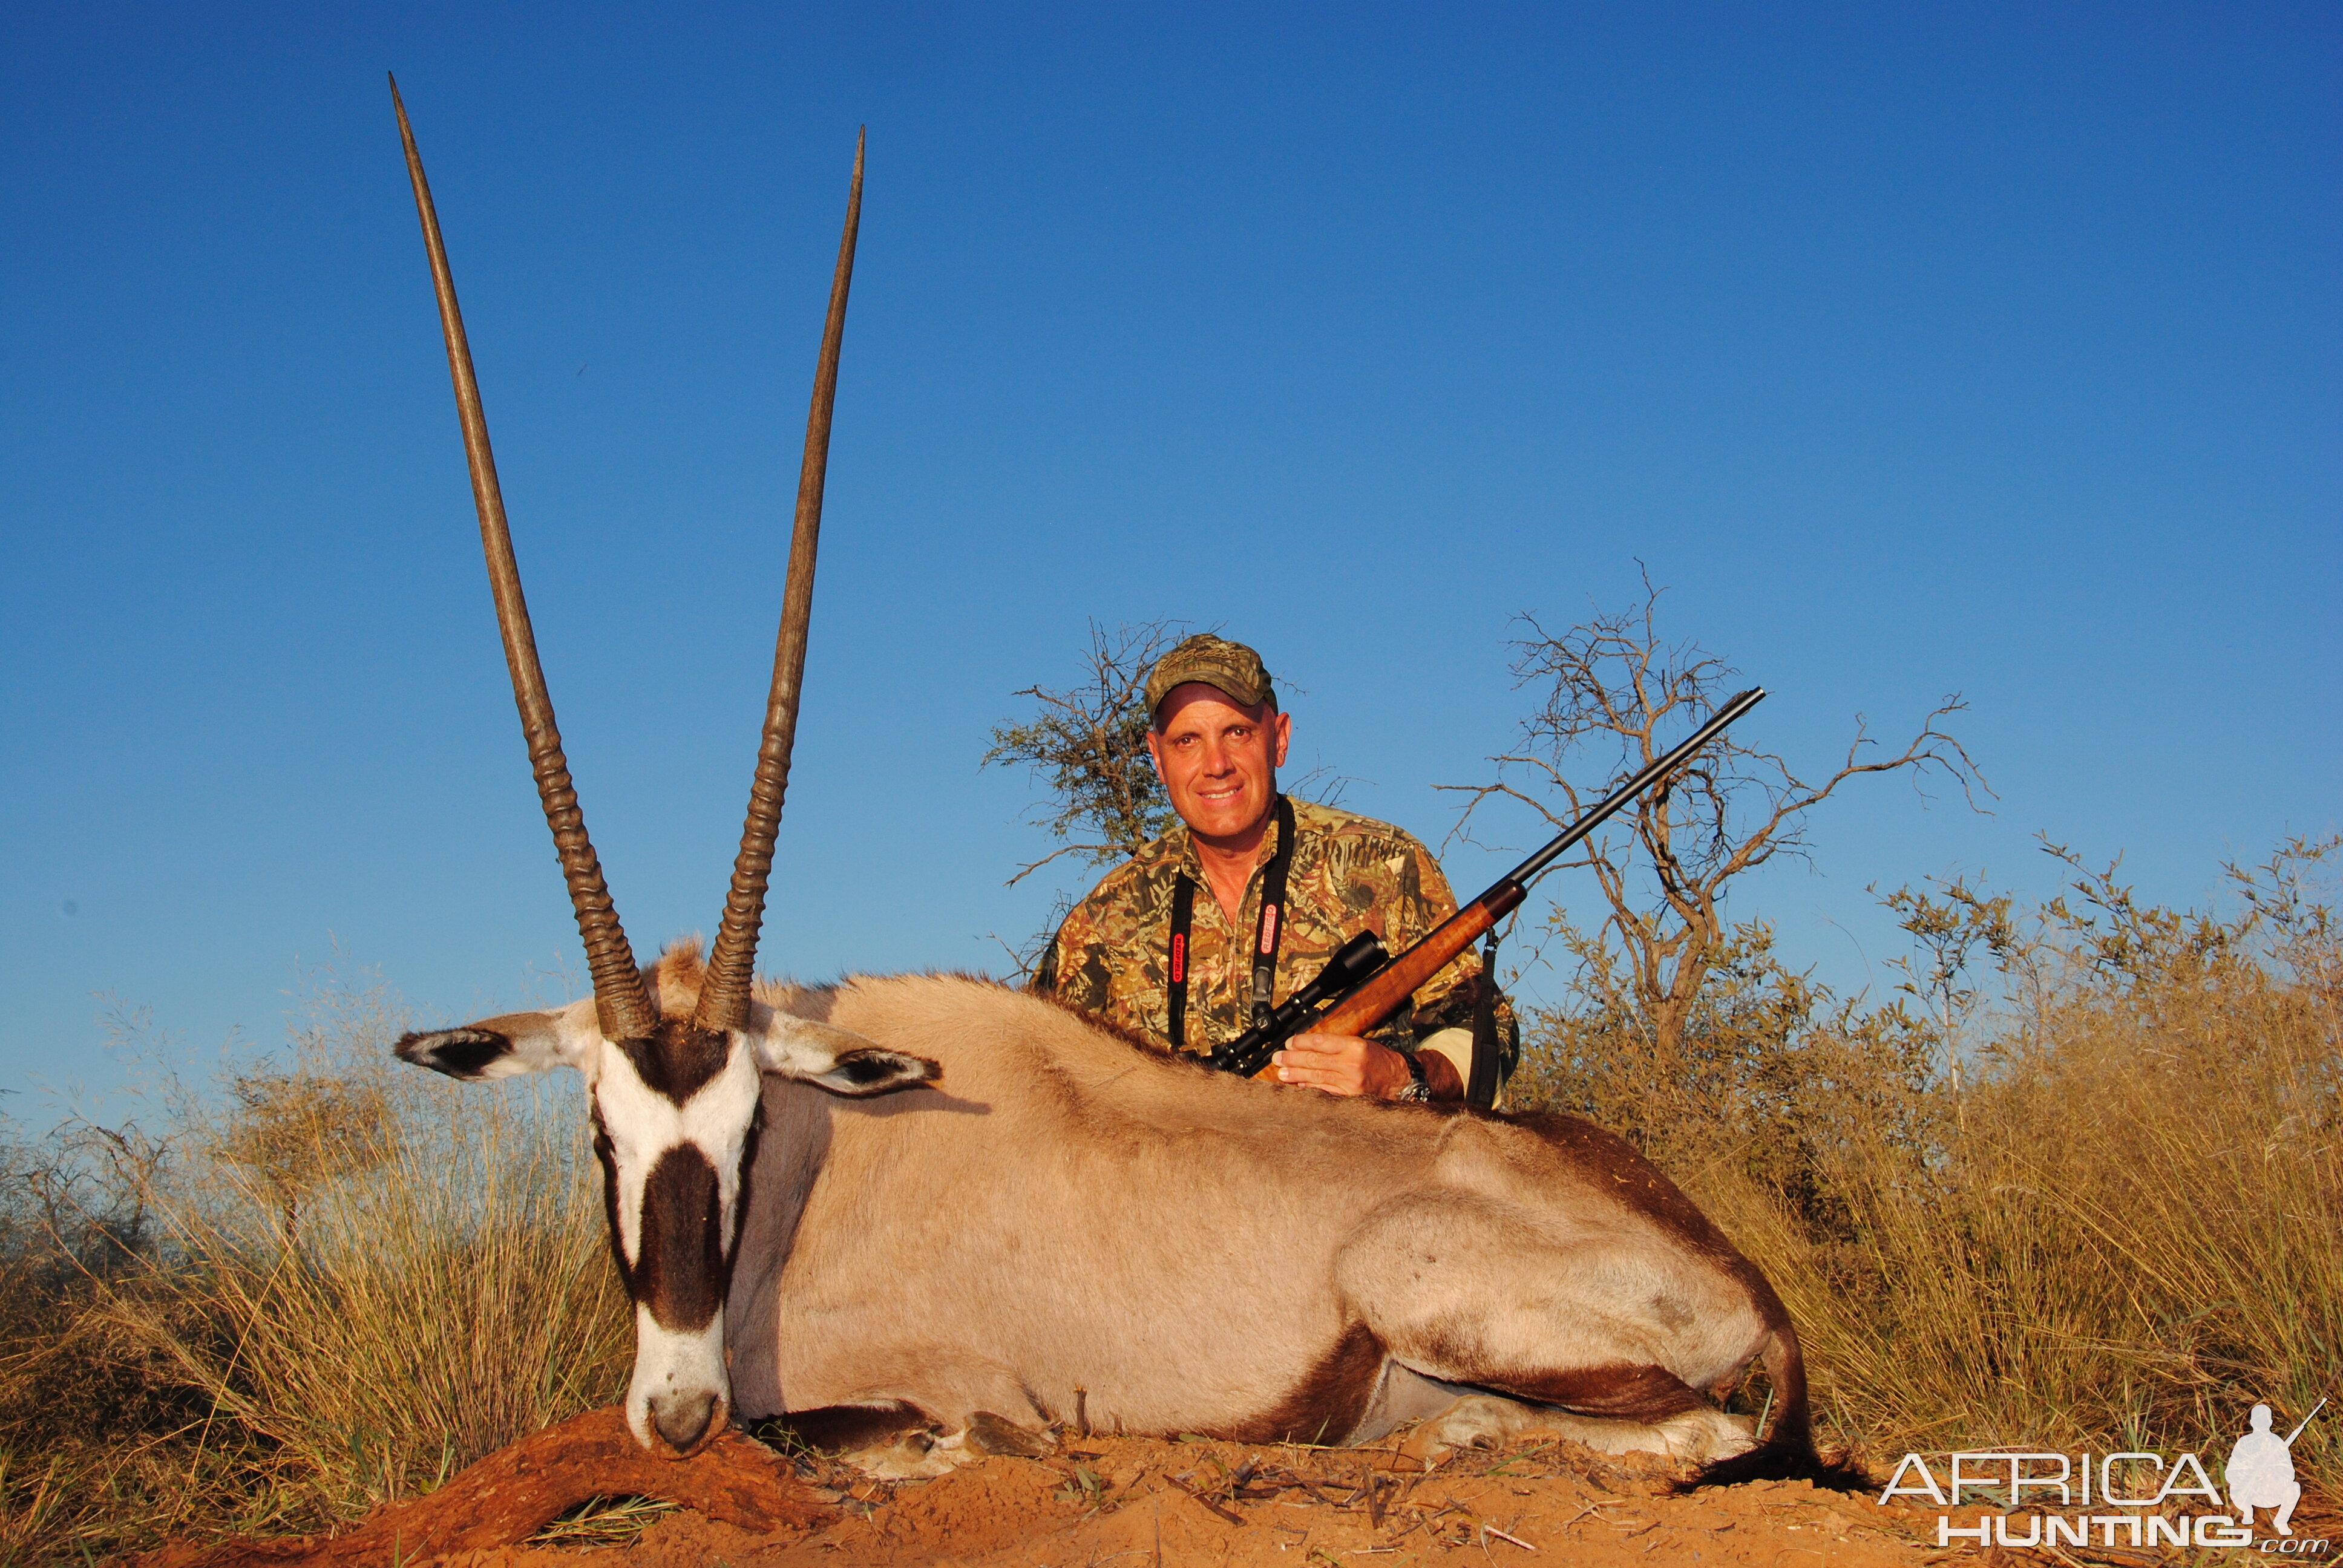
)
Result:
{"points": [[1242, 904]]}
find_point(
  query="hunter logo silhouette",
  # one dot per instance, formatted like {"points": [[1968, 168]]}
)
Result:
{"points": [[2261, 1471]]}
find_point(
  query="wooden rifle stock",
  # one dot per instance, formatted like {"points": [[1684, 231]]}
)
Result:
{"points": [[1390, 987]]}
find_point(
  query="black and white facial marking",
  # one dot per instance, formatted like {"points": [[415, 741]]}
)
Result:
{"points": [[674, 1126]]}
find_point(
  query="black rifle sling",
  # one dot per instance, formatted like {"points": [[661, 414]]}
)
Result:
{"points": [[1183, 911], [1269, 933], [1487, 1067]]}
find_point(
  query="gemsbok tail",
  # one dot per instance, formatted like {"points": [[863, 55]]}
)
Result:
{"points": [[1786, 1452]]}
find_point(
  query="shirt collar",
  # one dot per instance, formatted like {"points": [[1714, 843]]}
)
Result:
{"points": [[1180, 846]]}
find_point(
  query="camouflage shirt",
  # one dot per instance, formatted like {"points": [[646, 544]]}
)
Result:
{"points": [[1348, 874]]}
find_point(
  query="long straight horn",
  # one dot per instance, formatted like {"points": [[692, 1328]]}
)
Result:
{"points": [[624, 1007], [724, 993]]}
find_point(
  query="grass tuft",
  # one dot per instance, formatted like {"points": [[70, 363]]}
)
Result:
{"points": [[603, 1521], [322, 1287]]}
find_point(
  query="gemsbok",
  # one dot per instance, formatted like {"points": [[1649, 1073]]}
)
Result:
{"points": [[929, 1205]]}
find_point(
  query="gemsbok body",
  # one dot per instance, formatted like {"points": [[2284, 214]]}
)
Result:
{"points": [[930, 1203]]}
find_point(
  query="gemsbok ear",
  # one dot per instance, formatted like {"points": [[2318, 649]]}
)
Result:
{"points": [[505, 1045], [873, 1070], [836, 1059]]}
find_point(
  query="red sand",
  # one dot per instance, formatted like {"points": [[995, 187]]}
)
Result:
{"points": [[1141, 1502]]}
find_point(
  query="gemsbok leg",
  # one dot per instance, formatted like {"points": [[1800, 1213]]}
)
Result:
{"points": [[1606, 1327]]}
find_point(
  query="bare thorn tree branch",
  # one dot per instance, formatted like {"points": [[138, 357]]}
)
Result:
{"points": [[1087, 745], [1612, 692]]}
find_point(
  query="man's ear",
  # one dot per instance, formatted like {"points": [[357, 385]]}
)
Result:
{"points": [[1280, 727], [836, 1059], [507, 1044]]}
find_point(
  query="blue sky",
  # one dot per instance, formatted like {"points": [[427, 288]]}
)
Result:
{"points": [[1987, 349]]}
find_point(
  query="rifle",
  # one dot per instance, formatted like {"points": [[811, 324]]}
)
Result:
{"points": [[1361, 984]]}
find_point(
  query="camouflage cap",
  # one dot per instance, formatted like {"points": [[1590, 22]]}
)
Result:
{"points": [[1230, 666]]}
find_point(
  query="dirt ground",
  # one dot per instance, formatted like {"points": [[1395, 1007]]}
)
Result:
{"points": [[1141, 1501], [1144, 1502]]}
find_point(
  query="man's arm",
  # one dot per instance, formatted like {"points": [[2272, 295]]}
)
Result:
{"points": [[1069, 970], [1095, 964]]}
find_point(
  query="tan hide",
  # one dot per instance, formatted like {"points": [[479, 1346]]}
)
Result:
{"points": [[1198, 1252]]}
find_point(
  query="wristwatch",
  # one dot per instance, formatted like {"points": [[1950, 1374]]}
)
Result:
{"points": [[1418, 1092]]}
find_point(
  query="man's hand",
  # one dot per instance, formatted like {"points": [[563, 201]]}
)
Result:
{"points": [[1346, 1064]]}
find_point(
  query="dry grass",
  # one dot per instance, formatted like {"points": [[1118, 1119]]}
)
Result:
{"points": [[2125, 1230], [344, 1281]]}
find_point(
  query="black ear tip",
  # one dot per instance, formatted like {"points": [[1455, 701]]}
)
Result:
{"points": [[878, 1072], [458, 1052]]}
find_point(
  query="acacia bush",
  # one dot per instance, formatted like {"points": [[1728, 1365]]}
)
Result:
{"points": [[2119, 1225]]}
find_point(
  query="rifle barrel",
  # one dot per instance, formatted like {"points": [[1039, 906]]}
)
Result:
{"points": [[1371, 1001], [1520, 875]]}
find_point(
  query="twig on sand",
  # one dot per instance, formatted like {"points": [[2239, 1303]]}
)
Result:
{"points": [[1488, 1529], [1579, 1514], [1233, 1518]]}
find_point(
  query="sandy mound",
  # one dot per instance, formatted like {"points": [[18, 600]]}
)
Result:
{"points": [[1142, 1502], [1138, 1502]]}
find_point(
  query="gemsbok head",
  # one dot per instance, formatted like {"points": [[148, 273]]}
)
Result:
{"points": [[674, 1095]]}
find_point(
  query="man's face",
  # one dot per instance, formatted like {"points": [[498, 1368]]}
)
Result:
{"points": [[1218, 761]]}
